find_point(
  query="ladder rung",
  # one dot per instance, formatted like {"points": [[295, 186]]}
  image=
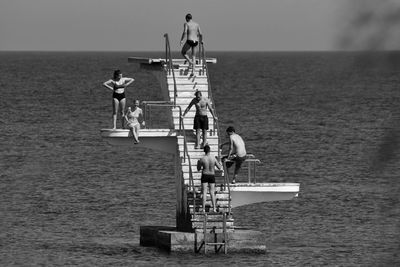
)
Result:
{"points": [[214, 244]]}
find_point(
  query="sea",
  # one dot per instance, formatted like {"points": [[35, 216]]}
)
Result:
{"points": [[327, 120]]}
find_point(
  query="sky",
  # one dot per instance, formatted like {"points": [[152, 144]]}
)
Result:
{"points": [[227, 25]]}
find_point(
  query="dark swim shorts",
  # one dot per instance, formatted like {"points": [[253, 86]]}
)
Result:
{"points": [[207, 178], [238, 162], [200, 122], [119, 97], [192, 43]]}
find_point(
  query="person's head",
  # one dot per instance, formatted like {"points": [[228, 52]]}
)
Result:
{"points": [[188, 17], [117, 74], [230, 130], [136, 102], [206, 149], [198, 95]]}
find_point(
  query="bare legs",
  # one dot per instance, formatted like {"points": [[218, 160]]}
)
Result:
{"points": [[212, 194], [123, 103], [198, 138], [115, 111], [193, 59], [186, 47], [204, 137], [135, 132]]}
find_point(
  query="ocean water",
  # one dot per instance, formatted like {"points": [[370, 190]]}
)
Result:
{"points": [[328, 120]]}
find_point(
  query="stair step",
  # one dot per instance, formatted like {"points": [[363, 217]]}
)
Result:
{"points": [[225, 209], [220, 203], [187, 94], [214, 244], [187, 80], [201, 208], [189, 88], [217, 231], [211, 217], [211, 225], [218, 194], [184, 73], [210, 220]]}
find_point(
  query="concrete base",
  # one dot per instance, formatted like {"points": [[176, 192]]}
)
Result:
{"points": [[171, 240]]}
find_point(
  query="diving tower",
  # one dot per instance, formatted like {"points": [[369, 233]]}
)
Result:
{"points": [[196, 229]]}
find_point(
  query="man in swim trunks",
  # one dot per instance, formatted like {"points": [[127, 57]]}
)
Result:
{"points": [[237, 151], [207, 166], [200, 119], [192, 32]]}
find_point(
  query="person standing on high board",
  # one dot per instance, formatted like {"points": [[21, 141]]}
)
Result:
{"points": [[118, 84], [192, 32], [207, 166]]}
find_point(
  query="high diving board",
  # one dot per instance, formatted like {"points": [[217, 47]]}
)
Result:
{"points": [[145, 60]]}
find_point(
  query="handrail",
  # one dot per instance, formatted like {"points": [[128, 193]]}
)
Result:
{"points": [[205, 69], [181, 130], [148, 104], [169, 64], [216, 124]]}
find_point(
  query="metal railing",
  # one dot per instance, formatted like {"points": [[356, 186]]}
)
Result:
{"points": [[203, 61], [169, 64], [168, 104], [202, 56], [148, 112]]}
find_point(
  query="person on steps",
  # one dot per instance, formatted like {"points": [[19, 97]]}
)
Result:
{"points": [[207, 166], [192, 33], [200, 119]]}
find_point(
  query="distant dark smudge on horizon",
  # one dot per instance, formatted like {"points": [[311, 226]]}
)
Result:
{"points": [[373, 25], [370, 25]]}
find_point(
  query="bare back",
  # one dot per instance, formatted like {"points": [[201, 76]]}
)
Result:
{"points": [[207, 164], [237, 145], [192, 30]]}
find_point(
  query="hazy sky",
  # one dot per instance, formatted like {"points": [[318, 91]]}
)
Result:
{"points": [[139, 25]]}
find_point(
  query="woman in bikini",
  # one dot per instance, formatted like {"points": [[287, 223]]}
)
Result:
{"points": [[118, 84], [132, 118]]}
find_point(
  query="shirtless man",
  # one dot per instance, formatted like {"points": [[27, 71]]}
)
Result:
{"points": [[191, 30], [237, 151], [207, 165], [200, 119]]}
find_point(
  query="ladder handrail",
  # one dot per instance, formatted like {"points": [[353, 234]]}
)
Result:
{"points": [[169, 64], [182, 131], [216, 124], [205, 69]]}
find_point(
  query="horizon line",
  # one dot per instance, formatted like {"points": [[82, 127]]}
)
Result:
{"points": [[209, 51]]}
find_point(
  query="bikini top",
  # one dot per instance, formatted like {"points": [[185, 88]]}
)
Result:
{"points": [[119, 84]]}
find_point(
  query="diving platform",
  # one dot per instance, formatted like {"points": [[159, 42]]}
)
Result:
{"points": [[197, 227]]}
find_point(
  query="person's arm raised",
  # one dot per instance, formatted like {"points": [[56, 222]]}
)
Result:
{"points": [[106, 84], [128, 81]]}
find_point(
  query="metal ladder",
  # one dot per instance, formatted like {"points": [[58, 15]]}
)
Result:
{"points": [[214, 236]]}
